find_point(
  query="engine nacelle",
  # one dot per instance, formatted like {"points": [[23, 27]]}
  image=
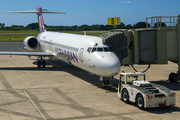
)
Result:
{"points": [[31, 43]]}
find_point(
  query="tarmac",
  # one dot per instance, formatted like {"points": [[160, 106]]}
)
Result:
{"points": [[61, 91]]}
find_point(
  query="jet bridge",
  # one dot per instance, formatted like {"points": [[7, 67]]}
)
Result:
{"points": [[118, 42], [147, 46]]}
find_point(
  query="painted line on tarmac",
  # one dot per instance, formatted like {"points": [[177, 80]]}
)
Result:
{"points": [[35, 105], [22, 49], [118, 117]]}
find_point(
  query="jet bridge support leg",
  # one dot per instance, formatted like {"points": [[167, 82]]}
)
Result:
{"points": [[173, 77]]}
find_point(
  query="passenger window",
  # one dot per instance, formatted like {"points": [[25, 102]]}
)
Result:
{"points": [[94, 49], [89, 49], [100, 49]]}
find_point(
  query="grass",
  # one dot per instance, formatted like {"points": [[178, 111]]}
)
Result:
{"points": [[13, 37], [21, 35]]}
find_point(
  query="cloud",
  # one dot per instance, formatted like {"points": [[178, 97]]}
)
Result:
{"points": [[158, 4], [128, 2], [88, 15]]}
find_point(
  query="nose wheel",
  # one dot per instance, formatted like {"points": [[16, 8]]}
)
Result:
{"points": [[105, 82]]}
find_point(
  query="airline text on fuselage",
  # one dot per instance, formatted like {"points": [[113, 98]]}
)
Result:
{"points": [[66, 54]]}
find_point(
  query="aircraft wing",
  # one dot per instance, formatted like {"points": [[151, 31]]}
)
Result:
{"points": [[28, 53]]}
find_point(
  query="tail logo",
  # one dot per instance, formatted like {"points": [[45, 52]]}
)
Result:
{"points": [[40, 20]]}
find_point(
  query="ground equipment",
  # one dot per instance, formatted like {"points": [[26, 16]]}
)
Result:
{"points": [[132, 87]]}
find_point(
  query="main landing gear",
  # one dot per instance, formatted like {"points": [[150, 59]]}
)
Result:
{"points": [[41, 63]]}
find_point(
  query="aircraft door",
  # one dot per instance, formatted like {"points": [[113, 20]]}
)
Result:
{"points": [[81, 54]]}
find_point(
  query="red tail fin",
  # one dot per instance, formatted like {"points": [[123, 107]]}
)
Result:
{"points": [[40, 19]]}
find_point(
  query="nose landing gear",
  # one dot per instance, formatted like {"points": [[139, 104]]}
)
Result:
{"points": [[106, 84]]}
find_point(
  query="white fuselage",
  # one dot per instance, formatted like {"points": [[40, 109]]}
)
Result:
{"points": [[85, 52]]}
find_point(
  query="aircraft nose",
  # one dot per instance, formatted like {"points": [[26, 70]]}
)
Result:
{"points": [[112, 67], [109, 65]]}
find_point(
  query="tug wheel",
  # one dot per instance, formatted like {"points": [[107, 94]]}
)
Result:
{"points": [[140, 101], [125, 96], [171, 77]]}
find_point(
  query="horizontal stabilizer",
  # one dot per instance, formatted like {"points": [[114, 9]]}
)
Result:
{"points": [[39, 12], [34, 11]]}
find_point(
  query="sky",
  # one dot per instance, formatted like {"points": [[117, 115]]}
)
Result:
{"points": [[79, 12]]}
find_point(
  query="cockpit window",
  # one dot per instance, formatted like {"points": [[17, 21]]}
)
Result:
{"points": [[100, 49], [106, 49], [89, 49], [94, 49]]}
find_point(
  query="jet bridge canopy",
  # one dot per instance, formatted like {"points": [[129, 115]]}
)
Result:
{"points": [[117, 41]]}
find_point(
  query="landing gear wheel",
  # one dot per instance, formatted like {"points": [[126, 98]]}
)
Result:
{"points": [[171, 78], [38, 63], [43, 63], [105, 83], [140, 101], [107, 87], [125, 96]]}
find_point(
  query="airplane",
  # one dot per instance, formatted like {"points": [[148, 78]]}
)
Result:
{"points": [[85, 52]]}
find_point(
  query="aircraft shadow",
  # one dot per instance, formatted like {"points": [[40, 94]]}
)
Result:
{"points": [[61, 66], [30, 68], [166, 83], [158, 110], [163, 110]]}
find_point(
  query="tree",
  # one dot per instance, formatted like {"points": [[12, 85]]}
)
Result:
{"points": [[95, 27], [140, 25], [101, 27], [85, 27], [158, 24], [32, 26], [3, 25], [129, 26], [75, 26], [17, 27], [109, 27], [121, 26]]}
